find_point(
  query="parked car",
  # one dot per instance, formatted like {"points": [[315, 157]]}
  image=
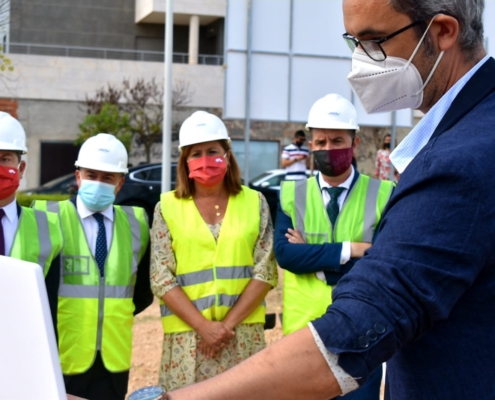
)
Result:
{"points": [[269, 183], [142, 186]]}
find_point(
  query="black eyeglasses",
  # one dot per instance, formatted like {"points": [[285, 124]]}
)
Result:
{"points": [[373, 47]]}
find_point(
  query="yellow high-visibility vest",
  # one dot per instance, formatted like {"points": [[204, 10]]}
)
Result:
{"points": [[38, 239], [212, 274], [305, 296], [96, 313]]}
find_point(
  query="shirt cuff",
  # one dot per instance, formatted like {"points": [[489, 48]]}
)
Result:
{"points": [[346, 382], [345, 256], [321, 276]]}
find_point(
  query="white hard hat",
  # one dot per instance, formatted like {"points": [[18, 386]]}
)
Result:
{"points": [[332, 112], [202, 127], [12, 135], [103, 152]]}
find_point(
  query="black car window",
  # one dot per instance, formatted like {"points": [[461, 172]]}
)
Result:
{"points": [[142, 175], [276, 180], [155, 174], [174, 173]]}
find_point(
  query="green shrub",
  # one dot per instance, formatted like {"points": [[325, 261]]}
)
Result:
{"points": [[26, 199]]}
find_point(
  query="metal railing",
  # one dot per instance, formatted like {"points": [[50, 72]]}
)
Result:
{"points": [[108, 54]]}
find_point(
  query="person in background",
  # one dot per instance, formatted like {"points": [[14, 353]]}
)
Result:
{"points": [[326, 223], [212, 262], [382, 162], [25, 234], [104, 274], [295, 158]]}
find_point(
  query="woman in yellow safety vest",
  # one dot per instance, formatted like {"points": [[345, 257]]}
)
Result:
{"points": [[212, 259]]}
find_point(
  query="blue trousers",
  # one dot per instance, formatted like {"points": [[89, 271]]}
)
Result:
{"points": [[370, 390]]}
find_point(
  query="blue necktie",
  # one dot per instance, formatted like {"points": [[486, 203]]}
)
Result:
{"points": [[333, 204], [101, 244], [2, 237]]}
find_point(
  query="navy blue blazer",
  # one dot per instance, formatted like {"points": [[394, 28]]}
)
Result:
{"points": [[309, 258], [423, 298]]}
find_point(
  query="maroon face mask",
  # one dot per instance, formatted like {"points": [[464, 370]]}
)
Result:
{"points": [[333, 162]]}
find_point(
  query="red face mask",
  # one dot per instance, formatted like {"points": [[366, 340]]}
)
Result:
{"points": [[208, 171], [9, 181]]}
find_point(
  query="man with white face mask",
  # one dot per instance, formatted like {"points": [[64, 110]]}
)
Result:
{"points": [[423, 297], [104, 274]]}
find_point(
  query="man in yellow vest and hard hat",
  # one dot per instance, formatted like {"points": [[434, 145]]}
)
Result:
{"points": [[104, 274], [325, 223], [25, 234]]}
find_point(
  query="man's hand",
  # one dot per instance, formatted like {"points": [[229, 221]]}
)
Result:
{"points": [[214, 337], [295, 237], [358, 249]]}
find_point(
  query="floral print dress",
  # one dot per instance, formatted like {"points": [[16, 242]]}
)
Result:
{"points": [[383, 164], [181, 363]]}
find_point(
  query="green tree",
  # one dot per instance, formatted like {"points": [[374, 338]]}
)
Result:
{"points": [[110, 120], [5, 62], [141, 103]]}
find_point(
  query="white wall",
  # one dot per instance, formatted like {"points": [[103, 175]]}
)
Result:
{"points": [[153, 11], [71, 79]]}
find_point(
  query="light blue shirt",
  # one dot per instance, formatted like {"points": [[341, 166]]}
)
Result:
{"points": [[419, 136]]}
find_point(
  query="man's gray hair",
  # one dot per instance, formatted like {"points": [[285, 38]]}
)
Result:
{"points": [[469, 13]]}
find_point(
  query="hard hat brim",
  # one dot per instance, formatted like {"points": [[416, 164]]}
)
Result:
{"points": [[205, 141], [334, 126], [104, 167], [9, 147]]}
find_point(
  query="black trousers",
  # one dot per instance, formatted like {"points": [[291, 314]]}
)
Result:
{"points": [[97, 383]]}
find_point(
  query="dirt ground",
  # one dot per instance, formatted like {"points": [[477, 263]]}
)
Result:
{"points": [[148, 337]]}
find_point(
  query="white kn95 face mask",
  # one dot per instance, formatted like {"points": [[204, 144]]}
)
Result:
{"points": [[390, 85]]}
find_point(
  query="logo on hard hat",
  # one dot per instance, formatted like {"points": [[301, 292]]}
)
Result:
{"points": [[334, 113], [104, 150], [201, 124]]}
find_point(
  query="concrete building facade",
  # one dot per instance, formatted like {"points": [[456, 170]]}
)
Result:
{"points": [[65, 50]]}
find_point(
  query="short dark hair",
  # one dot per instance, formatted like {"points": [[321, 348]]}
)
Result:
{"points": [[300, 133], [17, 153]]}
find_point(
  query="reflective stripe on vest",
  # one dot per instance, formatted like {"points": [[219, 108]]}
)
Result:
{"points": [[43, 226], [305, 296], [96, 313], [213, 275]]}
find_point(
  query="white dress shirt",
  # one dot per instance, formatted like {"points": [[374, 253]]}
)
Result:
{"points": [[91, 226], [10, 223], [346, 246]]}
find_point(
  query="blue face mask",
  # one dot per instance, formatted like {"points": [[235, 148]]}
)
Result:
{"points": [[95, 195]]}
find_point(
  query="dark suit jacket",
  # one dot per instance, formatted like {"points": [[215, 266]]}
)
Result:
{"points": [[143, 296], [308, 258], [423, 298]]}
